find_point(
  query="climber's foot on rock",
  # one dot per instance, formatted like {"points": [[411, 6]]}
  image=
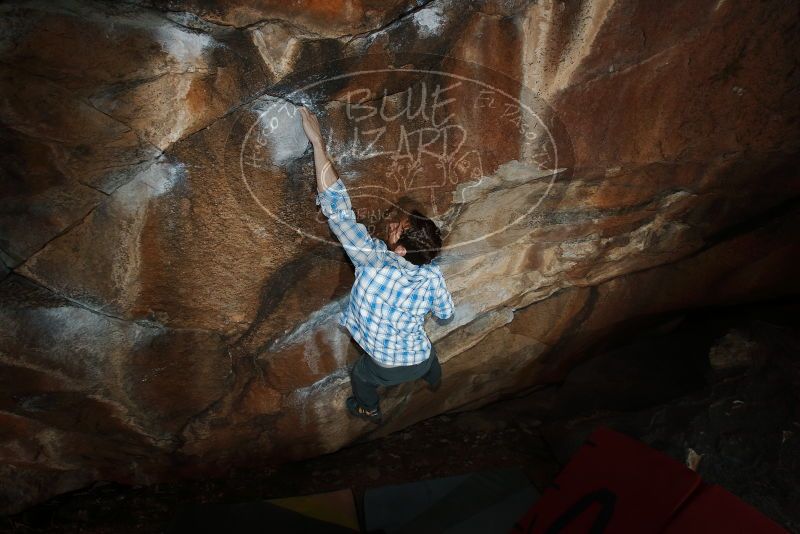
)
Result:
{"points": [[359, 411]]}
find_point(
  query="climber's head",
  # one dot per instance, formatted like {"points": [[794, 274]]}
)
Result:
{"points": [[415, 237], [394, 229]]}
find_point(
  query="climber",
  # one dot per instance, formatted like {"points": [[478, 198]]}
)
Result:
{"points": [[396, 285]]}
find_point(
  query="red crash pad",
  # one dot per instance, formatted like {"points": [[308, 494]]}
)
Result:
{"points": [[714, 509], [615, 484], [612, 484]]}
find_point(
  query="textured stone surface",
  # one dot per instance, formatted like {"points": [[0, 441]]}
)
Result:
{"points": [[169, 291], [331, 19]]}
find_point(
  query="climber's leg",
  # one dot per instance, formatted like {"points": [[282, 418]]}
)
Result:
{"points": [[434, 375], [364, 384], [366, 376]]}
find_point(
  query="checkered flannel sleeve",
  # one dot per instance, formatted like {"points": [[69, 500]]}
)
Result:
{"points": [[362, 248], [442, 306]]}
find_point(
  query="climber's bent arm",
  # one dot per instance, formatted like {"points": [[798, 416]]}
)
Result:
{"points": [[362, 248], [332, 197], [441, 301]]}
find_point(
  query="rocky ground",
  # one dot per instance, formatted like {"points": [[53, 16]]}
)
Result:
{"points": [[438, 447], [717, 387]]}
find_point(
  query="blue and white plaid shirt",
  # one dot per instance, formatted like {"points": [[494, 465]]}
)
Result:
{"points": [[391, 296]]}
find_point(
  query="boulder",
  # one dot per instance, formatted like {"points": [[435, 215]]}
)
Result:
{"points": [[170, 291]]}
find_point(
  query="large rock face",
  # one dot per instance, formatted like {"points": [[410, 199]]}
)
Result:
{"points": [[170, 292]]}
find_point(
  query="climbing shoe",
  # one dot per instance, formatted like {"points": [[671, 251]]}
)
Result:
{"points": [[373, 416]]}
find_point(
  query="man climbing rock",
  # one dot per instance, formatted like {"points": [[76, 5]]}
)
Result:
{"points": [[396, 286]]}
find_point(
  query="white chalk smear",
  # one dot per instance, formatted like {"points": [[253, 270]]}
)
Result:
{"points": [[281, 130], [161, 177], [184, 46], [429, 21]]}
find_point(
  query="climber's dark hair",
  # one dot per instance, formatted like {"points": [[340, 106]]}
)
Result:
{"points": [[422, 239]]}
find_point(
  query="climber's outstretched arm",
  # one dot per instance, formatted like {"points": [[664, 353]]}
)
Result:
{"points": [[334, 201], [326, 174]]}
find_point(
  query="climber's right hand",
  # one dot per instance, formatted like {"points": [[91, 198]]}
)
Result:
{"points": [[311, 126]]}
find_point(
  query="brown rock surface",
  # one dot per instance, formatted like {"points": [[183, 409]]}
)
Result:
{"points": [[329, 18], [169, 293]]}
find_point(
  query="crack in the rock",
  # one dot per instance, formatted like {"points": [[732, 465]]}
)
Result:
{"points": [[298, 30], [247, 102], [143, 323], [91, 104], [80, 220], [76, 302], [77, 222], [220, 25], [125, 85], [386, 26], [128, 165], [90, 186]]}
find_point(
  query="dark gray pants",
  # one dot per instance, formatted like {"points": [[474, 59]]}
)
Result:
{"points": [[367, 375]]}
